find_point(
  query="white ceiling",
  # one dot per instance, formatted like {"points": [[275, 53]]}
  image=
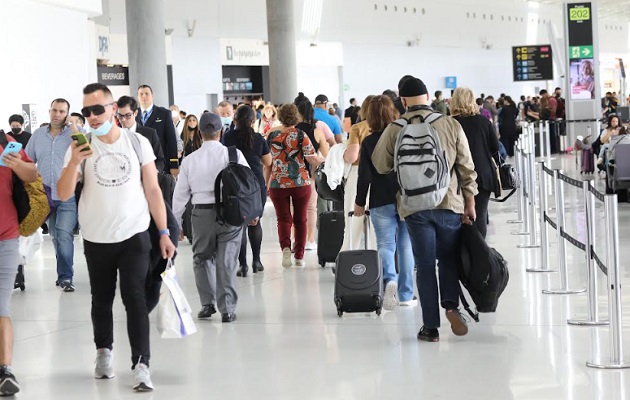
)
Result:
{"points": [[614, 9]]}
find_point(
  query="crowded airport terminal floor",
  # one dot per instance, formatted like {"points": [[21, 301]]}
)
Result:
{"points": [[288, 342]]}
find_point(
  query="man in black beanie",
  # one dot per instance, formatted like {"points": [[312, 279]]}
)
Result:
{"points": [[434, 231]]}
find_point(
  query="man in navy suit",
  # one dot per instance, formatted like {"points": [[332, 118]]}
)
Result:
{"points": [[159, 118]]}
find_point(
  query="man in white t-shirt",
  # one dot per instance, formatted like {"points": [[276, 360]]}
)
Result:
{"points": [[120, 195]]}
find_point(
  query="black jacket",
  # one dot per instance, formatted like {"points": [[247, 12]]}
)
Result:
{"points": [[161, 120], [153, 138], [483, 143]]}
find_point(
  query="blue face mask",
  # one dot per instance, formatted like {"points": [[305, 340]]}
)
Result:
{"points": [[226, 120], [101, 130]]}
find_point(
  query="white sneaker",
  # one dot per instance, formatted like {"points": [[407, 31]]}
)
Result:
{"points": [[299, 263], [411, 303], [286, 257], [104, 364], [310, 246], [142, 378], [391, 296]]}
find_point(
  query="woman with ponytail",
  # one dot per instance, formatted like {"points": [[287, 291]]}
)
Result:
{"points": [[257, 153]]}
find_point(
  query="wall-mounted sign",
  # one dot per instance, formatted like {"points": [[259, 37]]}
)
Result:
{"points": [[244, 52], [532, 63], [451, 82], [581, 57], [113, 75], [242, 80], [30, 117]]}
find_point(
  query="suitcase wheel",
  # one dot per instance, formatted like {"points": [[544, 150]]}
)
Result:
{"points": [[339, 313], [378, 312], [322, 263]]}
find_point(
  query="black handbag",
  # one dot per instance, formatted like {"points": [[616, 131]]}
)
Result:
{"points": [[509, 180]]}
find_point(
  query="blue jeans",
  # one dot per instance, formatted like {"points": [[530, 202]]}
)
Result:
{"points": [[435, 235], [391, 237], [61, 225]]}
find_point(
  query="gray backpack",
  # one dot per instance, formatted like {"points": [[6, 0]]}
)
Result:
{"points": [[421, 164]]}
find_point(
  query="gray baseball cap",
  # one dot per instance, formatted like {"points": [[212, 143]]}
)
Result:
{"points": [[210, 122]]}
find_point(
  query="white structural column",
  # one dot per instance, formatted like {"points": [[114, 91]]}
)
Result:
{"points": [[282, 51], [147, 48]]}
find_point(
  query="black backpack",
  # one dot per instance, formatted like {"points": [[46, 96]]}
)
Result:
{"points": [[238, 201], [483, 271]]}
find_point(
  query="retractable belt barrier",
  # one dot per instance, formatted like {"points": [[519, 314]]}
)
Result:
{"points": [[608, 264]]}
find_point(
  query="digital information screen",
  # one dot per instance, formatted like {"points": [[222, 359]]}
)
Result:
{"points": [[532, 63]]}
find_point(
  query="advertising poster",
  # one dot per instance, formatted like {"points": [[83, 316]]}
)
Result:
{"points": [[582, 79]]}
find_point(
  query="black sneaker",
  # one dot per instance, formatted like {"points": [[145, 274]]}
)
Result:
{"points": [[459, 326], [429, 335], [228, 317], [8, 384], [207, 311], [66, 286]]}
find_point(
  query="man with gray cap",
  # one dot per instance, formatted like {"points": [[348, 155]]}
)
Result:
{"points": [[215, 246], [434, 232]]}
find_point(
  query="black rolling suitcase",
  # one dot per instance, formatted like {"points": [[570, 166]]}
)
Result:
{"points": [[330, 236], [359, 278]]}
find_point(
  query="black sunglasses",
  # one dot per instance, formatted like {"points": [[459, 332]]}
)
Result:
{"points": [[96, 109]]}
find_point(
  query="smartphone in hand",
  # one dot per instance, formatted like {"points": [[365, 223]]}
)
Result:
{"points": [[12, 147], [80, 138]]}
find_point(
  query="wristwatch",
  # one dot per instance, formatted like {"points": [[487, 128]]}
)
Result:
{"points": [[164, 232]]}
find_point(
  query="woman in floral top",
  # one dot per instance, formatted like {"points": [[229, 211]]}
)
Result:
{"points": [[289, 181]]}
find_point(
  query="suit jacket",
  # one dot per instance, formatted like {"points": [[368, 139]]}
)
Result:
{"points": [[161, 120], [153, 138]]}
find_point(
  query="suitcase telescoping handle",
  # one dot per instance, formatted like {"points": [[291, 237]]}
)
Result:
{"points": [[366, 229]]}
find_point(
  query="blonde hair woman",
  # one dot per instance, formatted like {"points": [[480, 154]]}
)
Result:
{"points": [[268, 121], [483, 143]]}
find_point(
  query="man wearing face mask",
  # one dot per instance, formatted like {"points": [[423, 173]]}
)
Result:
{"points": [[160, 119], [47, 147], [120, 196], [225, 110], [16, 122]]}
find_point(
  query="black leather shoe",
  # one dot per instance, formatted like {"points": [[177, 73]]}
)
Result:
{"points": [[242, 271], [257, 267], [207, 311], [429, 335], [228, 317]]}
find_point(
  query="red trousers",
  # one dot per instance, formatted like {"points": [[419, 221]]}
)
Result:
{"points": [[282, 199]]}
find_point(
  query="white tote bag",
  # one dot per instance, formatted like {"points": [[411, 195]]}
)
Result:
{"points": [[174, 315], [30, 245]]}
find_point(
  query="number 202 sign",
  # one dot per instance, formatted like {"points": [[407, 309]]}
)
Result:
{"points": [[580, 14]]}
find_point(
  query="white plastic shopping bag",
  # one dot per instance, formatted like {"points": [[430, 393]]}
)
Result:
{"points": [[174, 315], [29, 245]]}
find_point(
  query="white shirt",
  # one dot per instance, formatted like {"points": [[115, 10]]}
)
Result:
{"points": [[113, 206], [134, 127], [179, 127], [197, 175]]}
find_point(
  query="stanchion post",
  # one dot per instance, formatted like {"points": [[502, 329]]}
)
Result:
{"points": [[562, 250], [614, 289], [591, 268], [547, 136], [519, 190], [544, 229], [531, 189]]}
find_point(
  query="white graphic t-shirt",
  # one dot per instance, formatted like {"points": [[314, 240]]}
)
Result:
{"points": [[113, 206]]}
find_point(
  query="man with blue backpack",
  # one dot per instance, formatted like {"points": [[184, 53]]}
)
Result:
{"points": [[436, 175]]}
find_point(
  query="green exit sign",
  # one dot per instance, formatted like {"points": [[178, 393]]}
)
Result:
{"points": [[580, 14], [580, 52]]}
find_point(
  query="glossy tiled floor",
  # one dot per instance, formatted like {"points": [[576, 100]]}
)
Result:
{"points": [[288, 342]]}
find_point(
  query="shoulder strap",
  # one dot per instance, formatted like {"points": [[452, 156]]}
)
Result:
{"points": [[402, 122], [135, 143], [431, 118], [233, 156]]}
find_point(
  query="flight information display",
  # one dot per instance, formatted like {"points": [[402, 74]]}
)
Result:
{"points": [[532, 63]]}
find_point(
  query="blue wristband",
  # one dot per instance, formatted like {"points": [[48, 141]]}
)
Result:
{"points": [[164, 232]]}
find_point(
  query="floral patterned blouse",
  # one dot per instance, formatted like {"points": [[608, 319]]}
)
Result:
{"points": [[288, 168]]}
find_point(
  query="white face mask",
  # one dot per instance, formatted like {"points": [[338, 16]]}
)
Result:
{"points": [[175, 114]]}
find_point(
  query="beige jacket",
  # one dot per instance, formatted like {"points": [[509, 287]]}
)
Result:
{"points": [[454, 142]]}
